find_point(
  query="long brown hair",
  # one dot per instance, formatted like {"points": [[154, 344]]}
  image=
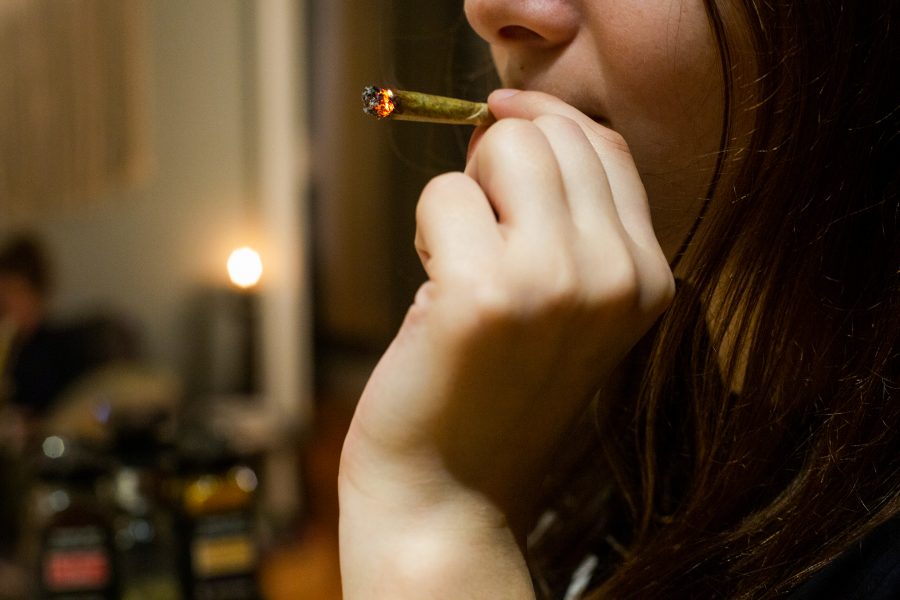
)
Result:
{"points": [[746, 493]]}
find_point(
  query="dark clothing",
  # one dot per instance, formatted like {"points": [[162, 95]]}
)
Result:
{"points": [[43, 365], [870, 570], [47, 362]]}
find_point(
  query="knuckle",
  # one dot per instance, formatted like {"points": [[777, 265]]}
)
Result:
{"points": [[614, 140], [557, 122], [555, 291], [435, 191], [485, 308], [506, 134], [664, 290], [493, 304], [518, 302], [668, 290], [563, 289], [549, 277], [632, 286], [622, 283], [441, 184], [510, 125]]}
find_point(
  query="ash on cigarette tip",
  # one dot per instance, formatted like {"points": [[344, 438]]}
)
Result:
{"points": [[378, 102]]}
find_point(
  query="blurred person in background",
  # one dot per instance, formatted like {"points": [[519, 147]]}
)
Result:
{"points": [[36, 363], [33, 371], [41, 357], [44, 356]]}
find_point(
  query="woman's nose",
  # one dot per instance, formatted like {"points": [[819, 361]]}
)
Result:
{"points": [[544, 23]]}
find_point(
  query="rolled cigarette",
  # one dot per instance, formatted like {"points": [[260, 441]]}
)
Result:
{"points": [[400, 105]]}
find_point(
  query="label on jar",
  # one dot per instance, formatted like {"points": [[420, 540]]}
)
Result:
{"points": [[223, 545], [76, 558]]}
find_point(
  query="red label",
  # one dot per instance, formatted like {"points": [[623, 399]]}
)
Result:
{"points": [[76, 569]]}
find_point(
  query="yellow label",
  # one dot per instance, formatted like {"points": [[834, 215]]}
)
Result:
{"points": [[213, 557]]}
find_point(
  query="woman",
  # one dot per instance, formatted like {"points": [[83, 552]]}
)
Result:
{"points": [[734, 434]]}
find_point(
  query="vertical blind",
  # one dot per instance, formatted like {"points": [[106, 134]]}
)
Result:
{"points": [[72, 102]]}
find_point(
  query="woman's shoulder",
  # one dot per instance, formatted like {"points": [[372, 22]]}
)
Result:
{"points": [[870, 570]]}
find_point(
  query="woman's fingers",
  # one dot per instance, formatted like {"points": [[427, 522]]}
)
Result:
{"points": [[627, 188], [517, 169], [456, 230], [554, 196], [608, 144], [587, 191]]}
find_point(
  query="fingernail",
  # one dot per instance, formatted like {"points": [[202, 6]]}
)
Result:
{"points": [[503, 94]]}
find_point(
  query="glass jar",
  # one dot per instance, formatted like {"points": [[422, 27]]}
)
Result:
{"points": [[76, 556], [217, 505]]}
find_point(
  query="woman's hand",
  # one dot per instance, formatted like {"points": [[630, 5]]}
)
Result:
{"points": [[543, 271]]}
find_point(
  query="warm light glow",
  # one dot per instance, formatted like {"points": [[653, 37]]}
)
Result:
{"points": [[244, 267]]}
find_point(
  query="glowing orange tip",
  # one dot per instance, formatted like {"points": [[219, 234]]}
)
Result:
{"points": [[378, 102]]}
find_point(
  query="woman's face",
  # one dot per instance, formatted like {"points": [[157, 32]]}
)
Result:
{"points": [[647, 68]]}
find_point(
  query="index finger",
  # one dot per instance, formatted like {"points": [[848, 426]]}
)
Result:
{"points": [[516, 167], [625, 183]]}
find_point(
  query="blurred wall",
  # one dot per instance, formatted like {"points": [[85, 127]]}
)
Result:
{"points": [[367, 175], [143, 251], [352, 216]]}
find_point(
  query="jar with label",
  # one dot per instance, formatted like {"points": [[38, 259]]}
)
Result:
{"points": [[217, 503], [76, 554], [144, 522]]}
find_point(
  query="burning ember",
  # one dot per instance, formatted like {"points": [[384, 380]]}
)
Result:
{"points": [[378, 102]]}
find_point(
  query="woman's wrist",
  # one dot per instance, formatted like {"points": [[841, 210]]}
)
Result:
{"points": [[414, 547]]}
